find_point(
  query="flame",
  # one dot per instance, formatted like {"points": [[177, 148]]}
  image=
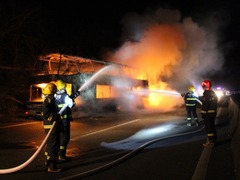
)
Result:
{"points": [[163, 100], [159, 49], [157, 52], [168, 48]]}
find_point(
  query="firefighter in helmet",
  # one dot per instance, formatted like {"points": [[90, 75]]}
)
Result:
{"points": [[50, 114], [209, 112], [190, 100], [64, 103]]}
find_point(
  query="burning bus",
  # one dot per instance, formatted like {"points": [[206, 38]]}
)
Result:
{"points": [[111, 88]]}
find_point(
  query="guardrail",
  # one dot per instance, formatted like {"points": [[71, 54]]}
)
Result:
{"points": [[234, 130]]}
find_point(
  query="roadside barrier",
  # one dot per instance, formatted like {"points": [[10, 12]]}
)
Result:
{"points": [[234, 129]]}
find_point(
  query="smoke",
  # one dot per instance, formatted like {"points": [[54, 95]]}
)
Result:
{"points": [[174, 51]]}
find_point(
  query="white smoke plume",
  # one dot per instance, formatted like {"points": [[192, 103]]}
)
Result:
{"points": [[171, 49]]}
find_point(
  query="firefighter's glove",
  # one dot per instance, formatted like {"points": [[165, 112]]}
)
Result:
{"points": [[74, 96], [74, 104]]}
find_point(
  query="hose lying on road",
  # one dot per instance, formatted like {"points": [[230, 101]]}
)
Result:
{"points": [[127, 156], [17, 168]]}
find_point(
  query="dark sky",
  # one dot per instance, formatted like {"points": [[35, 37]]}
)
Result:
{"points": [[89, 28]]}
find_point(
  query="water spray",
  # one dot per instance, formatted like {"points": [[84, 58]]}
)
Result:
{"points": [[17, 168], [160, 91], [166, 92], [94, 77]]}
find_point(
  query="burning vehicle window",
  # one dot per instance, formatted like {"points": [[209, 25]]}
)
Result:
{"points": [[106, 91], [35, 93]]}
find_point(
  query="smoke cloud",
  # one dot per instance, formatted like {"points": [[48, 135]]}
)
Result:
{"points": [[174, 51]]}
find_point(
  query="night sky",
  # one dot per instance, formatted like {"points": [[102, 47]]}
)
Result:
{"points": [[91, 28], [88, 27]]}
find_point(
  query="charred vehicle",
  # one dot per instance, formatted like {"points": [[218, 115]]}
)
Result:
{"points": [[110, 88]]}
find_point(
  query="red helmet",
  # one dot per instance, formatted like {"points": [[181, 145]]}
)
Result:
{"points": [[206, 84]]}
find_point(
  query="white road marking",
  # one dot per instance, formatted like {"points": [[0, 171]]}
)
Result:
{"points": [[102, 130], [16, 125]]}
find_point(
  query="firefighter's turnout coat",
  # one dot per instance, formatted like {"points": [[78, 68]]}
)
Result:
{"points": [[209, 112], [50, 114], [190, 102], [64, 103]]}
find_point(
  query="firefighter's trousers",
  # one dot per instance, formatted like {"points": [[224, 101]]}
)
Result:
{"points": [[53, 142], [191, 111], [64, 136], [210, 128]]}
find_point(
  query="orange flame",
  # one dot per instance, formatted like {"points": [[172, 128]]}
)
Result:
{"points": [[157, 53]]}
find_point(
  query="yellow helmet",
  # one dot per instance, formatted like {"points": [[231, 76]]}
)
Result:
{"points": [[60, 84], [191, 88], [50, 88]]}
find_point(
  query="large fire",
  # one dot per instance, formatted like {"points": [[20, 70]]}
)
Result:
{"points": [[175, 52], [158, 51]]}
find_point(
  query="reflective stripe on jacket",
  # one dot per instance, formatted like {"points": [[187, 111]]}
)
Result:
{"points": [[190, 99], [61, 97], [210, 101]]}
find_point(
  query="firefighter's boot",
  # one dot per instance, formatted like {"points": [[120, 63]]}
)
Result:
{"points": [[197, 123], [208, 143], [62, 156], [52, 167], [63, 159], [189, 123]]}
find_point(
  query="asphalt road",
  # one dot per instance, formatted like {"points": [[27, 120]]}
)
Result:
{"points": [[122, 145]]}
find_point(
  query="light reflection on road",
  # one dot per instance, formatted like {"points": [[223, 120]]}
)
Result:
{"points": [[140, 137]]}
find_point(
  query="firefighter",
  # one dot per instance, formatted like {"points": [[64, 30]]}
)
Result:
{"points": [[65, 103], [50, 114], [190, 100], [209, 112]]}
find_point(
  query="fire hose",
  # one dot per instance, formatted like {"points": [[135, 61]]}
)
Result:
{"points": [[200, 102], [127, 156], [26, 163]]}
